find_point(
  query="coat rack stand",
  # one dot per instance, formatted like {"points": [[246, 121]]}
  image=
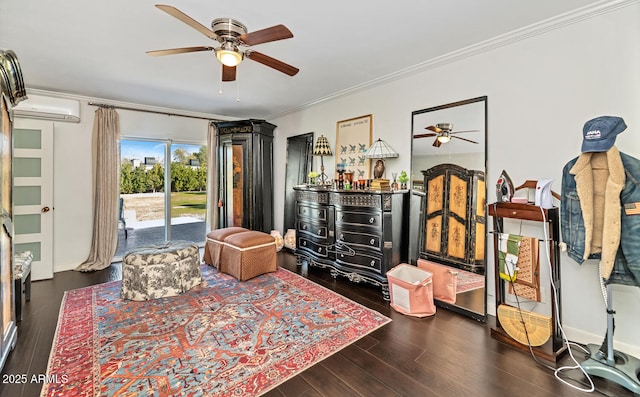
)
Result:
{"points": [[607, 363]]}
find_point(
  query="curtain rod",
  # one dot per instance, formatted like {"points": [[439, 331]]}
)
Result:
{"points": [[104, 105]]}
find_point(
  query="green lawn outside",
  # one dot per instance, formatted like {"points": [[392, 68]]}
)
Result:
{"points": [[188, 204]]}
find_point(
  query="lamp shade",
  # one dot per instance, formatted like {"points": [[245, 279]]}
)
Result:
{"points": [[322, 147], [380, 150]]}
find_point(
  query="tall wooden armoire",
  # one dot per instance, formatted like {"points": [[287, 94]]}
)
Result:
{"points": [[453, 225], [12, 91], [245, 164]]}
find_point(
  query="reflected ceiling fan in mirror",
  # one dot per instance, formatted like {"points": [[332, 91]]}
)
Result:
{"points": [[443, 133], [231, 36]]}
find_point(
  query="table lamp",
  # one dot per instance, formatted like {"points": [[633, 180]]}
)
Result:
{"points": [[322, 149], [380, 150]]}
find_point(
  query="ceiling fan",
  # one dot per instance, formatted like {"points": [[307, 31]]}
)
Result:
{"points": [[231, 35], [443, 134]]}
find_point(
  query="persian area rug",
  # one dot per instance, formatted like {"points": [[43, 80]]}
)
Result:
{"points": [[221, 338], [468, 281]]}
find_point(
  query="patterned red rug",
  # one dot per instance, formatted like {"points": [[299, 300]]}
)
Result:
{"points": [[221, 338], [468, 281]]}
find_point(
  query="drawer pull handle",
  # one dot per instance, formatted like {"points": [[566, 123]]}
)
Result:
{"points": [[304, 243], [372, 241], [304, 227], [371, 219], [319, 232], [373, 263], [319, 249], [341, 236]]}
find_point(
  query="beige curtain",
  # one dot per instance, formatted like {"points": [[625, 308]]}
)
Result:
{"points": [[212, 178], [106, 133]]}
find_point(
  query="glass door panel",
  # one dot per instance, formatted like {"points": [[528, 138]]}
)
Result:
{"points": [[188, 192], [142, 190]]}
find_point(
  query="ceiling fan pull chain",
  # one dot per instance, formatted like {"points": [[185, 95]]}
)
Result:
{"points": [[220, 87], [237, 90]]}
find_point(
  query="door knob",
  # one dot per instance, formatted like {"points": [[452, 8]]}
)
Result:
{"points": [[45, 209]]}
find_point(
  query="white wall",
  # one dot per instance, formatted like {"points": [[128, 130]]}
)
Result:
{"points": [[540, 92], [73, 197]]}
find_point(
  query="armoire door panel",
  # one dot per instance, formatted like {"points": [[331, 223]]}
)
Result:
{"points": [[434, 234], [458, 196], [435, 189], [457, 239]]}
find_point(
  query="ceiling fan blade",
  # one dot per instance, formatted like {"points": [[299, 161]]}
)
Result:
{"points": [[424, 135], [274, 33], [437, 143], [174, 12], [228, 73], [464, 139], [459, 132], [272, 63], [433, 128], [183, 50]]}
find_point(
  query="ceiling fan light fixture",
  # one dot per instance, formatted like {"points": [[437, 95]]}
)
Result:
{"points": [[444, 138], [229, 55]]}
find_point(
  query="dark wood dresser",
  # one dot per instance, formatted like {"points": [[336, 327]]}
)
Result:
{"points": [[358, 234]]}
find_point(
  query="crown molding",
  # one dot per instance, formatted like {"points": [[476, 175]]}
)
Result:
{"points": [[538, 28]]}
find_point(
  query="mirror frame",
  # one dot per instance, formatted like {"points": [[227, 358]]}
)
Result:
{"points": [[304, 165], [417, 196]]}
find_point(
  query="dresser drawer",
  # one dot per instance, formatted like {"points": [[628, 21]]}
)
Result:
{"points": [[359, 218], [317, 213], [318, 250], [314, 230], [360, 260], [357, 238]]}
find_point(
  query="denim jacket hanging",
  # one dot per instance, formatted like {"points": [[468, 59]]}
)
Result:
{"points": [[620, 254]]}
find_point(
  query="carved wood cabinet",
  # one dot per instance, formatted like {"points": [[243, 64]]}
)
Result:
{"points": [[8, 327], [357, 234], [453, 216], [245, 164]]}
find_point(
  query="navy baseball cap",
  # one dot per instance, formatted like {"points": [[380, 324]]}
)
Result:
{"points": [[599, 134]]}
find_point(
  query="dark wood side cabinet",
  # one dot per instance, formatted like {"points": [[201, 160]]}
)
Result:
{"points": [[357, 234], [8, 327], [245, 164], [453, 224]]}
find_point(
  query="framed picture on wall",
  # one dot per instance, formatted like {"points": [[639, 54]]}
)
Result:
{"points": [[353, 138]]}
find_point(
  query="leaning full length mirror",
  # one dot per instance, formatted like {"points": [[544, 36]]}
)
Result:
{"points": [[448, 199]]}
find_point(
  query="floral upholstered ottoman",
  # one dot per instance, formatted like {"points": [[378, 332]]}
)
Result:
{"points": [[161, 270]]}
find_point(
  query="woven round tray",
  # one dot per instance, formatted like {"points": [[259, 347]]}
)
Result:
{"points": [[537, 325]]}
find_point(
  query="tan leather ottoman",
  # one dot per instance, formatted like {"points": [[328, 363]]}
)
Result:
{"points": [[248, 254], [213, 245]]}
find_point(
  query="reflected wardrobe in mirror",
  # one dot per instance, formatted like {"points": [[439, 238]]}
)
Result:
{"points": [[448, 199]]}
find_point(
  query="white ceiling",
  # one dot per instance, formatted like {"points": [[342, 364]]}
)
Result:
{"points": [[97, 48]]}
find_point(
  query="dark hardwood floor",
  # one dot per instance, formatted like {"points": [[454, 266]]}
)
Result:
{"points": [[444, 355]]}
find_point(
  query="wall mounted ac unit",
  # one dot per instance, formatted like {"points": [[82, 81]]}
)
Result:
{"points": [[48, 108]]}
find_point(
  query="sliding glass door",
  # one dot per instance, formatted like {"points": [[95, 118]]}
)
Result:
{"points": [[160, 202], [188, 192]]}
